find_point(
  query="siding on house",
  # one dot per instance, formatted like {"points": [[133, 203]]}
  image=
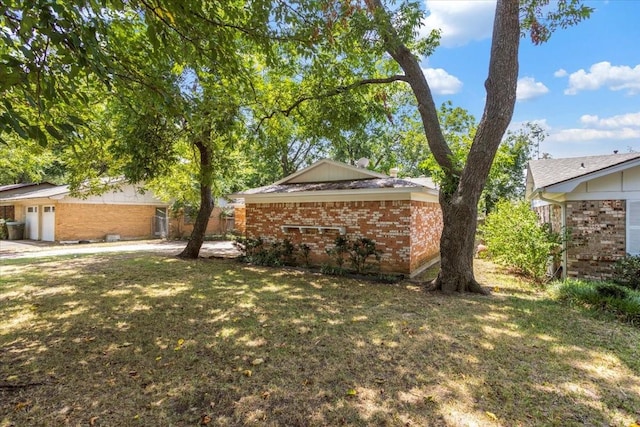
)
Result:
{"points": [[387, 223], [597, 237]]}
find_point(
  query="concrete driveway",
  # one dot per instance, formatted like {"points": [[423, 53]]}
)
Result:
{"points": [[36, 249]]}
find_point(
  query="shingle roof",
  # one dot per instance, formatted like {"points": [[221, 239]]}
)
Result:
{"points": [[38, 193], [546, 172], [359, 184], [10, 187]]}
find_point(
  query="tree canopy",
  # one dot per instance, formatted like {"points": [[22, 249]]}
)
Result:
{"points": [[211, 74]]}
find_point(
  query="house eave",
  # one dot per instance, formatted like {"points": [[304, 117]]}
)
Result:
{"points": [[569, 185], [425, 194]]}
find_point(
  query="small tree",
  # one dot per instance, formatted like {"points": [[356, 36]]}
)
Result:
{"points": [[515, 238]]}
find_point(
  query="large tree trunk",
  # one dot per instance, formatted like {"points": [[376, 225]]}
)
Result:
{"points": [[457, 246], [192, 250], [460, 192]]}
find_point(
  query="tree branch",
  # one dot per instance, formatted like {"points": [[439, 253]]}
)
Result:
{"points": [[421, 90], [333, 92]]}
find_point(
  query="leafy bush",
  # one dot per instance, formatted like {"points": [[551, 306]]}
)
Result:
{"points": [[358, 251], [339, 251], [626, 271], [600, 297], [610, 290], [257, 251], [4, 233], [305, 254], [515, 238]]}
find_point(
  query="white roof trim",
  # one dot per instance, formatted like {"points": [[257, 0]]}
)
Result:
{"points": [[370, 194], [319, 163]]}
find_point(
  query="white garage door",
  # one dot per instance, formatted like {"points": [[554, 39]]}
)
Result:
{"points": [[48, 223], [32, 231]]}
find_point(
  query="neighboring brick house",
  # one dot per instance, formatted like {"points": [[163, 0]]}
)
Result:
{"points": [[51, 213], [327, 199], [597, 200]]}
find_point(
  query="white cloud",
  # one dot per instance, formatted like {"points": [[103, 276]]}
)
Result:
{"points": [[607, 129], [630, 120], [461, 21], [581, 135], [561, 73], [441, 82], [542, 123], [603, 74], [529, 88]]}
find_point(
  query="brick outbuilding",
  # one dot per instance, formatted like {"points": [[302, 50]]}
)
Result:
{"points": [[328, 199]]}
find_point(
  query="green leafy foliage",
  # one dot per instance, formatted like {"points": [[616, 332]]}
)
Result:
{"points": [[516, 239], [358, 251], [600, 297], [626, 271], [506, 176], [260, 252], [338, 252]]}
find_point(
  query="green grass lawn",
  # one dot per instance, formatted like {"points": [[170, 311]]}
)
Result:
{"points": [[131, 339]]}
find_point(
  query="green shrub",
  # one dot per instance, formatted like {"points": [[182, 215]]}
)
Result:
{"points": [[360, 250], [305, 254], [611, 290], [626, 271], [339, 251], [516, 239], [601, 297], [257, 251]]}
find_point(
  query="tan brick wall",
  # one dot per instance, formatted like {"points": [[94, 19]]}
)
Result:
{"points": [[178, 228], [387, 223], [597, 239], [240, 214], [76, 221]]}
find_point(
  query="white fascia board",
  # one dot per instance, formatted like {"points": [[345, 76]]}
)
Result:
{"points": [[344, 196]]}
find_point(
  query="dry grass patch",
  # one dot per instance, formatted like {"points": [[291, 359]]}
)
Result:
{"points": [[149, 340]]}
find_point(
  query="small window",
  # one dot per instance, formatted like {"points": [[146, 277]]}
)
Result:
{"points": [[32, 209], [47, 208]]}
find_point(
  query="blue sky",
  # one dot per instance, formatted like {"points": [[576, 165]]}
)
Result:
{"points": [[582, 86]]}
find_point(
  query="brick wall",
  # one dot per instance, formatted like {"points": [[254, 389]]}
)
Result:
{"points": [[426, 229], [388, 223], [76, 221], [598, 237], [179, 228], [240, 217], [552, 215]]}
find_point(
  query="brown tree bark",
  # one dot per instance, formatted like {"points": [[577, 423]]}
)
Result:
{"points": [[460, 192], [192, 250]]}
